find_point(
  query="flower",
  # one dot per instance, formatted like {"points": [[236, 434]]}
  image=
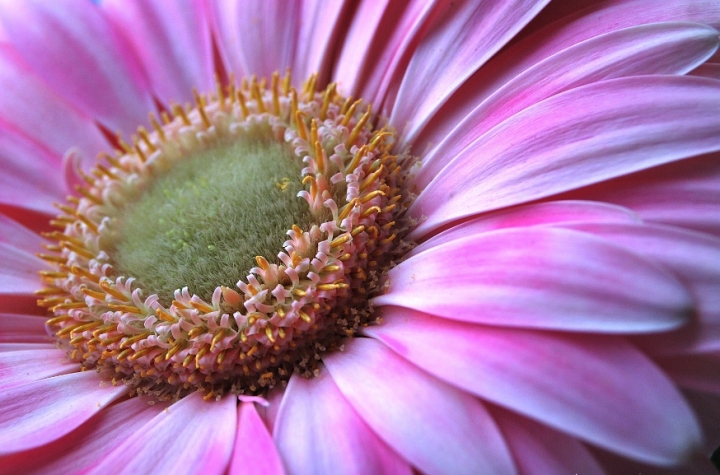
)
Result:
{"points": [[559, 312]]}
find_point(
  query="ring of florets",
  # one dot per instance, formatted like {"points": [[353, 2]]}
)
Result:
{"points": [[282, 315]]}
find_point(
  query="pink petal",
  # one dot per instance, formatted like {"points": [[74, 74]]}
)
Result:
{"points": [[553, 212], [19, 271], [376, 49], [577, 384], [595, 20], [19, 236], [29, 107], [335, 439], [42, 411], [540, 278], [87, 444], [540, 449], [192, 436], [254, 450], [667, 48], [257, 36], [434, 426], [322, 21], [9, 347], [172, 40], [694, 258], [24, 366], [474, 32], [685, 193], [23, 329], [29, 176], [583, 136], [74, 49]]}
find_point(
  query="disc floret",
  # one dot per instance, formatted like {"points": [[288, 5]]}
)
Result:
{"points": [[286, 310]]}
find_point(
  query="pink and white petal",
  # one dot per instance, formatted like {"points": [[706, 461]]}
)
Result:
{"points": [[257, 36], [24, 366], [376, 50], [319, 29], [254, 451], [583, 136], [335, 439], [29, 106], [172, 40], [575, 383], [694, 258], [29, 177], [434, 426], [540, 449], [696, 372], [19, 271], [40, 412], [597, 19], [684, 193], [666, 48], [75, 50], [9, 347], [18, 236], [169, 443], [474, 31], [537, 214], [83, 447], [540, 278], [23, 329]]}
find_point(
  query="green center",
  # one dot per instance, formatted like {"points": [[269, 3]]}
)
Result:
{"points": [[202, 223]]}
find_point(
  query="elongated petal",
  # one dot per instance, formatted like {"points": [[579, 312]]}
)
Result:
{"points": [[73, 48], [476, 31], [19, 271], [374, 56], [577, 384], [23, 329], [87, 444], [322, 23], [42, 411], [540, 278], [434, 426], [24, 366], [172, 39], [540, 449], [255, 450], [694, 258], [684, 193], [19, 236], [334, 440], [666, 48], [29, 106], [192, 436], [597, 19], [29, 176], [553, 212], [583, 136], [257, 36]]}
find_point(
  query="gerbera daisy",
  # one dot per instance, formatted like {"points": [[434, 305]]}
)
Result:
{"points": [[359, 237]]}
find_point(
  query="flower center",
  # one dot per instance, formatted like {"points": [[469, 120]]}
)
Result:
{"points": [[202, 222], [231, 246]]}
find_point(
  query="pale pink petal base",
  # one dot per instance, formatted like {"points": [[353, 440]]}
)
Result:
{"points": [[39, 412], [254, 451], [191, 436], [335, 440]]}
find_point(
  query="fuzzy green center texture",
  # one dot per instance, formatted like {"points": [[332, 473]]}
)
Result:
{"points": [[202, 223]]}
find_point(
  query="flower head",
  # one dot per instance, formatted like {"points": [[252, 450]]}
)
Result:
{"points": [[450, 237]]}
